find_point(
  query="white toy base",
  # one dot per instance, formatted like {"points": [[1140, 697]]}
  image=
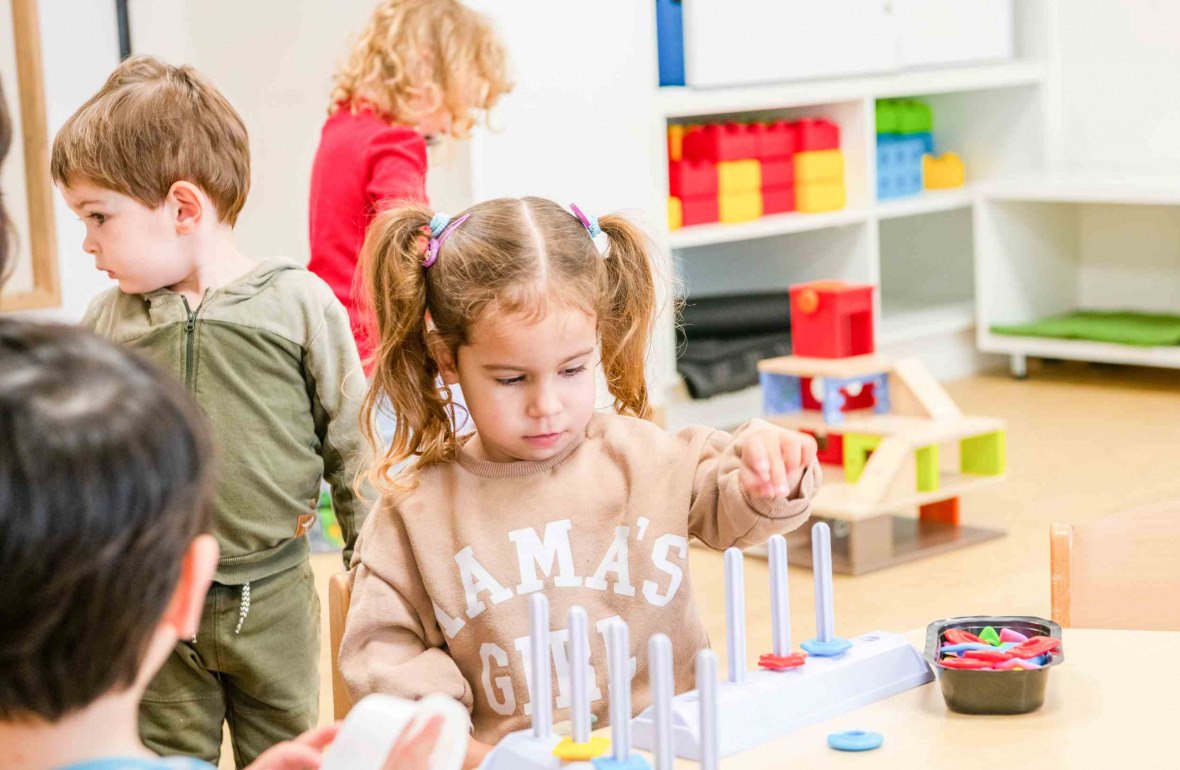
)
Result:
{"points": [[771, 704], [523, 751]]}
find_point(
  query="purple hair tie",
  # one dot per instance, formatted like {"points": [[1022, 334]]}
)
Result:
{"points": [[436, 242]]}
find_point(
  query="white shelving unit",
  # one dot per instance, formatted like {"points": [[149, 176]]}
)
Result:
{"points": [[593, 130], [918, 250], [1054, 243]]}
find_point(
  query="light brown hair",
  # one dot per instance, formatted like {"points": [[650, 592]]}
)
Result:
{"points": [[437, 49], [151, 125], [510, 256]]}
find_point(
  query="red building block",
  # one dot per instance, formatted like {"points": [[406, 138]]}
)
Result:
{"points": [[832, 319], [778, 172], [778, 200], [700, 211], [817, 134], [775, 140], [692, 179], [720, 141], [831, 448], [863, 400]]}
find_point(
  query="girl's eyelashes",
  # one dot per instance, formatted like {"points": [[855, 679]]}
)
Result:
{"points": [[517, 380], [97, 218]]}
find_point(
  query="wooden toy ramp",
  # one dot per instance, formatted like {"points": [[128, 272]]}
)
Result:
{"points": [[895, 498]]}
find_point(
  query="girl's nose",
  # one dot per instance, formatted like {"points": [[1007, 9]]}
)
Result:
{"points": [[545, 402]]}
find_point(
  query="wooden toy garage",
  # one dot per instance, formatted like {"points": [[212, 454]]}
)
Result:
{"points": [[897, 451]]}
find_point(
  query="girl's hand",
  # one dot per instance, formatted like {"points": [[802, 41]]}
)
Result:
{"points": [[476, 751], [413, 753], [769, 456], [304, 753]]}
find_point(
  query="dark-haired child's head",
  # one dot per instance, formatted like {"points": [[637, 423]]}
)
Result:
{"points": [[104, 485]]}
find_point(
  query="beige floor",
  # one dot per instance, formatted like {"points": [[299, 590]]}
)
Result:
{"points": [[1083, 442]]}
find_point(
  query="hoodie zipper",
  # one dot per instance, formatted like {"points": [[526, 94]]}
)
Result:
{"points": [[190, 326]]}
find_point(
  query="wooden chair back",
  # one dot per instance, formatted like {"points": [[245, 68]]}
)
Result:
{"points": [[339, 595], [1121, 571]]}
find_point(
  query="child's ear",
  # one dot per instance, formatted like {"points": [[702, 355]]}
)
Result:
{"points": [[196, 573], [448, 369], [186, 205]]}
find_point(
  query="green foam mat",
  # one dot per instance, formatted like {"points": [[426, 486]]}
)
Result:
{"points": [[1127, 328]]}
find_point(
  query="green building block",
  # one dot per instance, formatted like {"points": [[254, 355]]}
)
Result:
{"points": [[915, 118], [928, 468], [857, 447], [888, 116], [984, 455]]}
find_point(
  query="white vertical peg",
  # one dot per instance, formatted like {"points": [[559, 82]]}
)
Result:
{"points": [[659, 654], [707, 695], [735, 614], [539, 653], [780, 601], [579, 662], [821, 565], [619, 651]]}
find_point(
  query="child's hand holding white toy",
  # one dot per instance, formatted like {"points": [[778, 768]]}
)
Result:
{"points": [[768, 457], [387, 733]]}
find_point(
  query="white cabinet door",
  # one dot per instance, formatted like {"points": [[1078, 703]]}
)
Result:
{"points": [[938, 32], [736, 42]]}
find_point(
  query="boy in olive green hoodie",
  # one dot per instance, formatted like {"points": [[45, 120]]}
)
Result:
{"points": [[157, 165]]}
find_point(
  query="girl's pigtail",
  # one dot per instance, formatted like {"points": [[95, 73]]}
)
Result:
{"points": [[629, 314], [402, 368]]}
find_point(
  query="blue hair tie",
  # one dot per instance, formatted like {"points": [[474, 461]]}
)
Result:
{"points": [[589, 220], [438, 223]]}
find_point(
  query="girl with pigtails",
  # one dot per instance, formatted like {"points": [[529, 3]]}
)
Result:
{"points": [[515, 301]]}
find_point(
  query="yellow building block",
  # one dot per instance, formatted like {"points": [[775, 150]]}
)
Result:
{"points": [[943, 173], [676, 142], [819, 166], [568, 751], [675, 213], [819, 196], [739, 176], [739, 207]]}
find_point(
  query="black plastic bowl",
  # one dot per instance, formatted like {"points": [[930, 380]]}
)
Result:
{"points": [[970, 691]]}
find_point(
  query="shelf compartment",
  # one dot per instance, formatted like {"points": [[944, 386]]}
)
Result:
{"points": [[1052, 245]]}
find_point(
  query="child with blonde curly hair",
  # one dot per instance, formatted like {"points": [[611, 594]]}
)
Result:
{"points": [[515, 301], [420, 69]]}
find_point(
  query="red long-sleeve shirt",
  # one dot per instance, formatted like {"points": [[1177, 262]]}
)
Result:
{"points": [[363, 164]]}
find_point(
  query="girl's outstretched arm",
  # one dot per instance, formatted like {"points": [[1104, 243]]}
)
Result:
{"points": [[752, 484]]}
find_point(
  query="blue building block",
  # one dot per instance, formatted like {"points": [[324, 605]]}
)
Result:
{"points": [[899, 164], [781, 394], [880, 383], [670, 41]]}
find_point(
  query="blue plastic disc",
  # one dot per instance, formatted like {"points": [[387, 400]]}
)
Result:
{"points": [[826, 649], [855, 740]]}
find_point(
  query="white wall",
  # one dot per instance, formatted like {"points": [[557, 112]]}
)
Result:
{"points": [[274, 63], [79, 46], [1120, 94]]}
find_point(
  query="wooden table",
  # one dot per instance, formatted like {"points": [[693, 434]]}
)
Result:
{"points": [[1096, 715]]}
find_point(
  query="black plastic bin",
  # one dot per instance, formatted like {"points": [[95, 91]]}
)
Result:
{"points": [[993, 692]]}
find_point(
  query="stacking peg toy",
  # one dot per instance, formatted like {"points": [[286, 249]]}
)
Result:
{"points": [[780, 657], [706, 670], [618, 646], [581, 745], [533, 749], [735, 613], [826, 642]]}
